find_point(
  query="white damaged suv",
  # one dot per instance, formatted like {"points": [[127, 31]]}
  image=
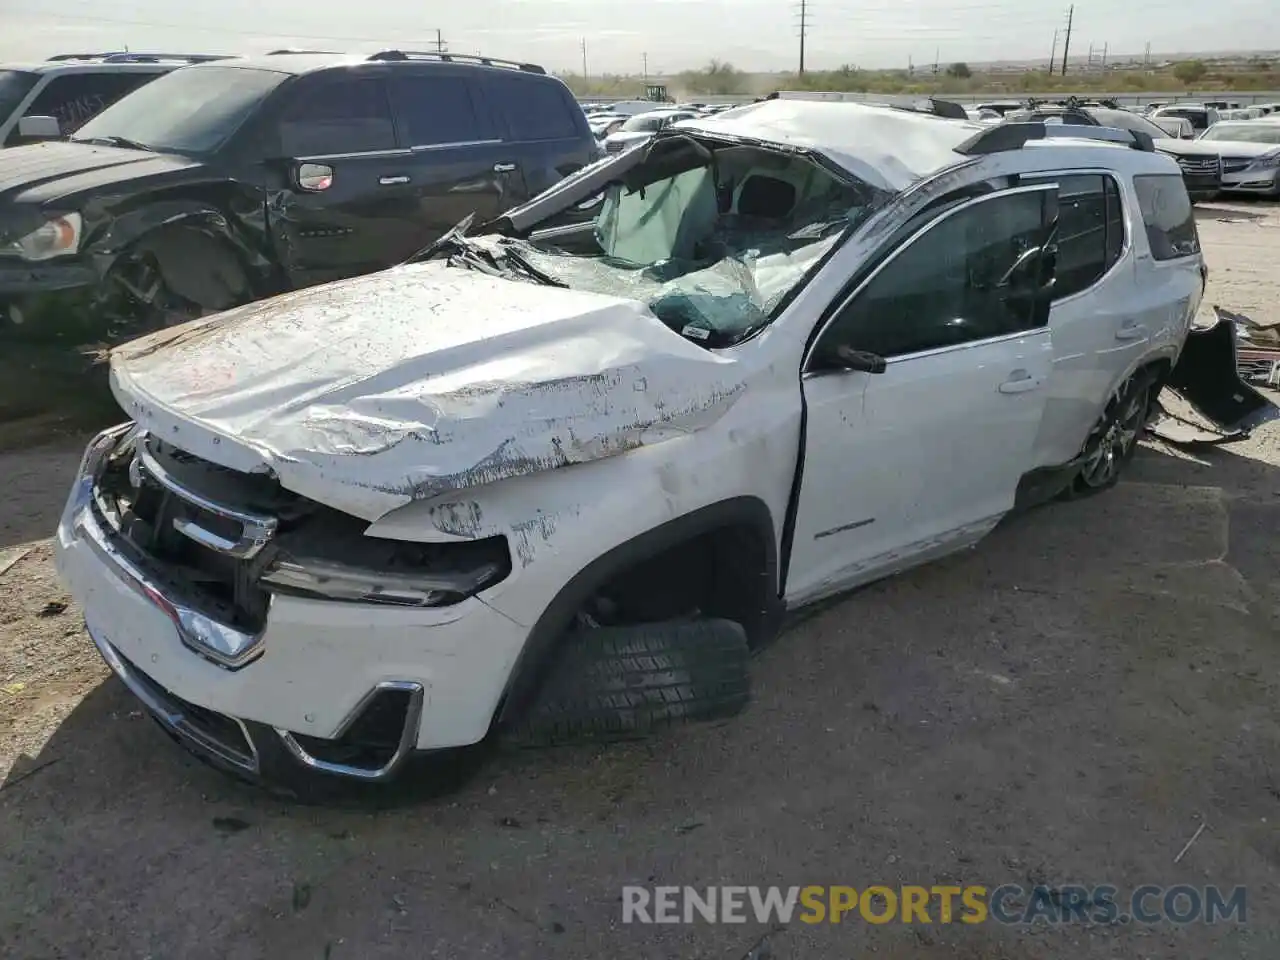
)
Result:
{"points": [[564, 473]]}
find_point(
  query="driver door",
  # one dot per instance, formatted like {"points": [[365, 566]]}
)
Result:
{"points": [[924, 395]]}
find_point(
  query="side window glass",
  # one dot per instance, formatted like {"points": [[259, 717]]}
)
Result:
{"points": [[1090, 230], [347, 116], [76, 98], [972, 275], [1168, 215], [438, 110], [535, 108]]}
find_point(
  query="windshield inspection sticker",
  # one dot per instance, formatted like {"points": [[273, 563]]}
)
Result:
{"points": [[695, 333]]}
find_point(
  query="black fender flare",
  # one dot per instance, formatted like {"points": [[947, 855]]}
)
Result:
{"points": [[544, 639]]}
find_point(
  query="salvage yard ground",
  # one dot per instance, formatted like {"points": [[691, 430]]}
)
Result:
{"points": [[1067, 703]]}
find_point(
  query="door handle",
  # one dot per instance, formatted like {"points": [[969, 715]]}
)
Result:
{"points": [[1131, 331], [389, 181], [503, 167], [1020, 382]]}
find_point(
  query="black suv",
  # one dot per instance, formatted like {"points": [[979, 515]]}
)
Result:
{"points": [[225, 182], [1201, 168]]}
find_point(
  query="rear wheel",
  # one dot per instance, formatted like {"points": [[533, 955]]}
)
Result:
{"points": [[1114, 439]]}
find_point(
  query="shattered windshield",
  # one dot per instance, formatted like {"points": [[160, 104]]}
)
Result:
{"points": [[713, 238]]}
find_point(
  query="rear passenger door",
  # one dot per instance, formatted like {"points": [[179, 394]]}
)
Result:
{"points": [[545, 127], [1095, 317], [352, 213], [459, 164]]}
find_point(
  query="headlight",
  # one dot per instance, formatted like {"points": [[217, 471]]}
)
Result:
{"points": [[55, 238], [438, 577], [1266, 162]]}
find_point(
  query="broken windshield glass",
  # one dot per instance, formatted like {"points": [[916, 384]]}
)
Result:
{"points": [[713, 241]]}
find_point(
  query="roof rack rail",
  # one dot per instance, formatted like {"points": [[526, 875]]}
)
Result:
{"points": [[125, 56], [1015, 135], [287, 50], [397, 55]]}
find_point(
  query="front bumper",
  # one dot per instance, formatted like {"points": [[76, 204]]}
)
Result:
{"points": [[1202, 186], [319, 667], [48, 302], [1253, 181]]}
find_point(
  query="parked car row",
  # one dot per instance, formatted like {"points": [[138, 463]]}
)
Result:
{"points": [[226, 181], [1215, 155]]}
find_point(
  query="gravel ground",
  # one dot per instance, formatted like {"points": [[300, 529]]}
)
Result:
{"points": [[1069, 702]]}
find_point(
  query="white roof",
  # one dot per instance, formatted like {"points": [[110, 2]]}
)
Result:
{"points": [[887, 148]]}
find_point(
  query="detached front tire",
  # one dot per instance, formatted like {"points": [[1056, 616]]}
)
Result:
{"points": [[1114, 439], [617, 683]]}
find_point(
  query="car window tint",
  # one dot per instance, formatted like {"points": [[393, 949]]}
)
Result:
{"points": [[76, 98], [944, 287], [1168, 215], [438, 110], [535, 108], [1090, 230], [345, 116]]}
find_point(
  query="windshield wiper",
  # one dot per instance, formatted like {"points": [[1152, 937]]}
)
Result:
{"points": [[116, 142], [518, 260]]}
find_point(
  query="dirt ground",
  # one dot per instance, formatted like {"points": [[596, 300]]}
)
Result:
{"points": [[1069, 702]]}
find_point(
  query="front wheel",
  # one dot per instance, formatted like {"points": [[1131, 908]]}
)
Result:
{"points": [[1114, 439], [168, 279]]}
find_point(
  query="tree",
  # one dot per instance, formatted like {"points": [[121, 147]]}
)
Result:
{"points": [[717, 77], [1189, 71], [960, 71]]}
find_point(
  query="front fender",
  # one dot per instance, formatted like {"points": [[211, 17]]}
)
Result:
{"points": [[114, 234]]}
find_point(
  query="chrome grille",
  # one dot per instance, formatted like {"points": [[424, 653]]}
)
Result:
{"points": [[1200, 166], [1235, 164]]}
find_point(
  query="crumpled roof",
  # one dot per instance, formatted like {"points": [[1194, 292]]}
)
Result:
{"points": [[888, 148]]}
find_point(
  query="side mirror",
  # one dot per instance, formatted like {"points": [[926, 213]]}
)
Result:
{"points": [[860, 360], [39, 128], [313, 177]]}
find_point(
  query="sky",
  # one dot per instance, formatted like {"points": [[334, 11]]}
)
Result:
{"points": [[621, 37]]}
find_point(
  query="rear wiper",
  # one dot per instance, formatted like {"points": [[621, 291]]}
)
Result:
{"points": [[118, 142], [518, 260]]}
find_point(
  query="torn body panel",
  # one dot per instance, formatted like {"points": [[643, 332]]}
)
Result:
{"points": [[371, 393], [1207, 376]]}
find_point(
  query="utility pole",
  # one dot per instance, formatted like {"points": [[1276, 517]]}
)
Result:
{"points": [[1053, 52], [1088, 67], [1146, 57], [804, 30], [1066, 44], [936, 54], [911, 67], [1105, 46], [644, 58], [440, 44], [584, 58]]}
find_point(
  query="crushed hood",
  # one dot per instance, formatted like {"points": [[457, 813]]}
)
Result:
{"points": [[369, 393], [45, 172]]}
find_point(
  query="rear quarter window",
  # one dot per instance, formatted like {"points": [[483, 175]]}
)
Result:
{"points": [[1168, 215], [536, 109]]}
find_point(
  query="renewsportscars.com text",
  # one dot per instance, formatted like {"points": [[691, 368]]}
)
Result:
{"points": [[1005, 904]]}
